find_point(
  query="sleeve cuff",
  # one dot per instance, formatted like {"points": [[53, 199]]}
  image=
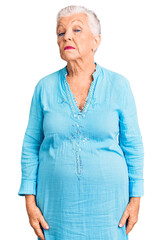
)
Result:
{"points": [[27, 187], [136, 188]]}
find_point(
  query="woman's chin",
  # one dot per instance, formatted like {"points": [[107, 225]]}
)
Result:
{"points": [[69, 57]]}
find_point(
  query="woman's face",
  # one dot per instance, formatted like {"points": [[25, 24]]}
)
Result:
{"points": [[74, 31]]}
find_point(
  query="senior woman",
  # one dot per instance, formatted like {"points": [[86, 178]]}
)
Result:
{"points": [[82, 154]]}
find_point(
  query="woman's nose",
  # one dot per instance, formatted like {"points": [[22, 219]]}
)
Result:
{"points": [[68, 35]]}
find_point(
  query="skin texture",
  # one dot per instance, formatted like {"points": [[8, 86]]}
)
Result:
{"points": [[74, 31], [131, 214], [36, 218]]}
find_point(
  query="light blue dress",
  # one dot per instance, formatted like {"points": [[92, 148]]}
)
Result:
{"points": [[83, 165]]}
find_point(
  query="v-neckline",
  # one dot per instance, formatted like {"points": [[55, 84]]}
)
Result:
{"points": [[72, 100]]}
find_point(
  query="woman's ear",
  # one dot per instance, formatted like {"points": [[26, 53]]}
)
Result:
{"points": [[97, 42]]}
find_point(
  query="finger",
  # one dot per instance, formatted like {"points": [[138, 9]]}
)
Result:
{"points": [[43, 223], [39, 232], [129, 226], [124, 218], [37, 229]]}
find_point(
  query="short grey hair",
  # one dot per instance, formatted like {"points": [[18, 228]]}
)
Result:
{"points": [[94, 22]]}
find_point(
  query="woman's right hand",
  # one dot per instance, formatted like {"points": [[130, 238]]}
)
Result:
{"points": [[35, 216]]}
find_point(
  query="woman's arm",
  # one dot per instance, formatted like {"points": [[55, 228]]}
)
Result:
{"points": [[130, 141], [29, 162], [31, 144]]}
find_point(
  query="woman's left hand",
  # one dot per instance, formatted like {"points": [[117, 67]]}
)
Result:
{"points": [[130, 214]]}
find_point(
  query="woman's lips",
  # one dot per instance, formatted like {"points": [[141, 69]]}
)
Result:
{"points": [[69, 47]]}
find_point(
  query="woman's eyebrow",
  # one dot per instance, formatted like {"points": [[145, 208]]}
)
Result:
{"points": [[62, 25], [77, 21], [59, 25]]}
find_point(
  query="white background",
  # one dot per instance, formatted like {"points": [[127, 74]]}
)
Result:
{"points": [[131, 45]]}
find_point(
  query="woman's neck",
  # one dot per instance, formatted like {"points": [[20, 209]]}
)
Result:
{"points": [[80, 69]]}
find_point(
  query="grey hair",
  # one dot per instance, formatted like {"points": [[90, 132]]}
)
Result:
{"points": [[93, 21]]}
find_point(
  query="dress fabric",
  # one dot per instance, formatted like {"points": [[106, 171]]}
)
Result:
{"points": [[83, 166]]}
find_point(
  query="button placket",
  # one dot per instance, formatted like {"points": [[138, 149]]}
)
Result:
{"points": [[77, 138]]}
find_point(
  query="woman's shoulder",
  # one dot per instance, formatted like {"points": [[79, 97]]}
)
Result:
{"points": [[49, 80], [117, 79]]}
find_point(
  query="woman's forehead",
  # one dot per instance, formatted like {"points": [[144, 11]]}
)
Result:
{"points": [[77, 17]]}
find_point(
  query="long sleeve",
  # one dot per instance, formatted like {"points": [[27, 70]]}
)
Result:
{"points": [[31, 144], [131, 143]]}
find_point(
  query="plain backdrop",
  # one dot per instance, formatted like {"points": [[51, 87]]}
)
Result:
{"points": [[131, 45]]}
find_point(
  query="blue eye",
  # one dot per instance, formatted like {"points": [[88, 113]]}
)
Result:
{"points": [[60, 34]]}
